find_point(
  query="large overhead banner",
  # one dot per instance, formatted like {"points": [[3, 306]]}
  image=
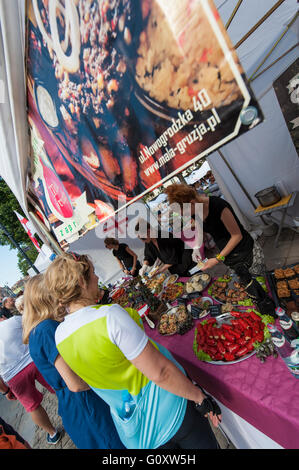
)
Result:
{"points": [[122, 95]]}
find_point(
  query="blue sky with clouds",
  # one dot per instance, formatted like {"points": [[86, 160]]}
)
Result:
{"points": [[9, 271]]}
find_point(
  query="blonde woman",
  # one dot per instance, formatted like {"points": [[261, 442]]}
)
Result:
{"points": [[18, 376], [85, 417], [152, 402]]}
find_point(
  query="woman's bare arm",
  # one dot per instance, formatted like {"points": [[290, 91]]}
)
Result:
{"points": [[233, 228], [72, 380]]}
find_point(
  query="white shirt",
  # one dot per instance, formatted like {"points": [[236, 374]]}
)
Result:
{"points": [[14, 355]]}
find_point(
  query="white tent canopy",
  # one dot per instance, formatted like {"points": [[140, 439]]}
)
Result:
{"points": [[266, 154], [197, 174], [258, 158]]}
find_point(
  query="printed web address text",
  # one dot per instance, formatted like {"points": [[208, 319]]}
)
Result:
{"points": [[197, 134]]}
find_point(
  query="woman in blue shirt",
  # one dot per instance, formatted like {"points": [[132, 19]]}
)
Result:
{"points": [[85, 416]]}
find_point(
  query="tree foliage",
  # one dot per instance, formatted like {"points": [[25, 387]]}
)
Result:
{"points": [[9, 204]]}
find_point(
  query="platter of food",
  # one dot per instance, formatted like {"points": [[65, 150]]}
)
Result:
{"points": [[226, 290], [175, 320], [230, 337], [153, 272], [171, 279], [284, 283], [155, 284], [117, 293], [197, 283], [203, 302], [172, 291]]}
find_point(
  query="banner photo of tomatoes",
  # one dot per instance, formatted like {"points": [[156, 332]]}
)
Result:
{"points": [[122, 95]]}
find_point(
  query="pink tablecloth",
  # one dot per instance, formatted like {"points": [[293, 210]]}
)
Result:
{"points": [[266, 395]]}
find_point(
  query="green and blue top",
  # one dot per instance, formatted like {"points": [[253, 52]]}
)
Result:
{"points": [[99, 343]]}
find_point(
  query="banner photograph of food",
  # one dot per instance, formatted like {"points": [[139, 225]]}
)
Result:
{"points": [[122, 95]]}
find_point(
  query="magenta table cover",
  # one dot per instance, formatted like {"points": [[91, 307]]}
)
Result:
{"points": [[265, 394]]}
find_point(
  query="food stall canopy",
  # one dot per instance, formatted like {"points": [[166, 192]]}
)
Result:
{"points": [[198, 174], [267, 155], [258, 157], [14, 143]]}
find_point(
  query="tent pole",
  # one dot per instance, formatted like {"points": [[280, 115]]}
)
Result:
{"points": [[266, 68], [239, 182], [258, 23], [56, 247], [274, 46], [233, 14], [19, 248]]}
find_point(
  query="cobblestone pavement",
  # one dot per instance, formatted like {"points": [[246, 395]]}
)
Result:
{"points": [[14, 414], [50, 404]]}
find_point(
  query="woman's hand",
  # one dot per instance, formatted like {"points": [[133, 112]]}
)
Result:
{"points": [[126, 271], [209, 264], [144, 269]]}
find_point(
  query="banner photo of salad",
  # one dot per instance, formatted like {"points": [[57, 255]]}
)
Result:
{"points": [[123, 95]]}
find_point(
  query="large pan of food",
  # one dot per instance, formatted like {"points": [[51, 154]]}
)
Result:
{"points": [[226, 290], [285, 283], [231, 337]]}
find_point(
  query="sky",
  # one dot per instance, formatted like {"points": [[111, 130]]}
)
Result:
{"points": [[9, 271]]}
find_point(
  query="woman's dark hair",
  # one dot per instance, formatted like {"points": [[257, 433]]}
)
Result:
{"points": [[137, 226], [111, 241]]}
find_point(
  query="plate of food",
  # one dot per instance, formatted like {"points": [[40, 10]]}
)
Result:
{"points": [[153, 272], [116, 293], [230, 337], [155, 284], [197, 283], [168, 324], [172, 291], [203, 302], [175, 320], [226, 290], [171, 279]]}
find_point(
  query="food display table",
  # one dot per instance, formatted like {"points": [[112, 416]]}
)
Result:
{"points": [[265, 395]]}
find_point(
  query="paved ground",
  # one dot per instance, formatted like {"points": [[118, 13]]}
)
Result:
{"points": [[286, 253]]}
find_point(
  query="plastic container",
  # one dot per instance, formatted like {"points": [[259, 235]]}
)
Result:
{"points": [[288, 325], [128, 405], [288, 353]]}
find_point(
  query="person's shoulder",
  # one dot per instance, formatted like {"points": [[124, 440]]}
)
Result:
{"points": [[46, 325], [116, 314], [123, 246], [218, 202], [15, 319]]}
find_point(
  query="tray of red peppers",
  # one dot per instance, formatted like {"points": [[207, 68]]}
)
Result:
{"points": [[228, 338]]}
